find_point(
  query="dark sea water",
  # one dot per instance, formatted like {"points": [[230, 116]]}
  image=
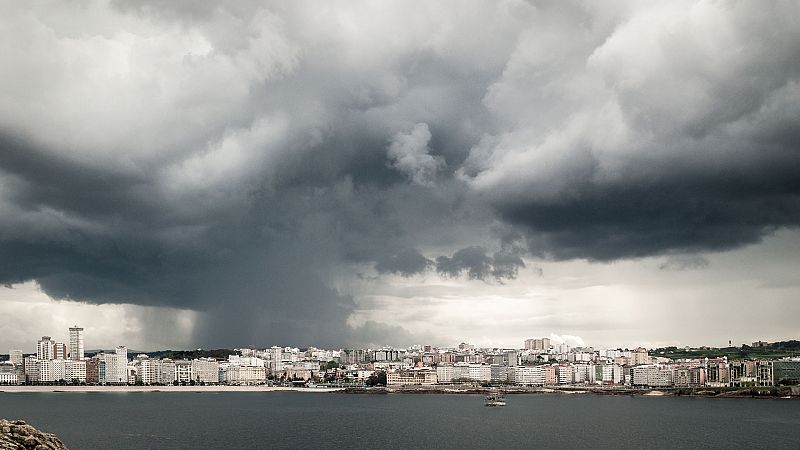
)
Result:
{"points": [[161, 420]]}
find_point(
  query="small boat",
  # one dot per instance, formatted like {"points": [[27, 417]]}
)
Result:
{"points": [[495, 400]]}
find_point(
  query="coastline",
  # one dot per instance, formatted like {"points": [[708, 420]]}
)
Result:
{"points": [[195, 389], [763, 393], [792, 392]]}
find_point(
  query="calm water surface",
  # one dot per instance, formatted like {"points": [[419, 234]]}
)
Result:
{"points": [[315, 420]]}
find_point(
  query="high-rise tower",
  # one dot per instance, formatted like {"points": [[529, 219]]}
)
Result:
{"points": [[76, 343], [45, 348]]}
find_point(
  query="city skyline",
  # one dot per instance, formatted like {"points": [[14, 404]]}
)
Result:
{"points": [[182, 174], [49, 347], [538, 363]]}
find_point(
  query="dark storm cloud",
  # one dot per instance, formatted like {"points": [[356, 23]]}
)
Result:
{"points": [[406, 262], [477, 265], [657, 143], [237, 159]]}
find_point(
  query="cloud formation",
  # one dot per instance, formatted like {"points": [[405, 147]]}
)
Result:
{"points": [[409, 154], [242, 160], [478, 265]]}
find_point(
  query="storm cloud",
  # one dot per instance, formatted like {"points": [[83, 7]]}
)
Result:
{"points": [[246, 160]]}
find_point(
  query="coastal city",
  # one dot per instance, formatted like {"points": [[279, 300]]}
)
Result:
{"points": [[538, 363]]}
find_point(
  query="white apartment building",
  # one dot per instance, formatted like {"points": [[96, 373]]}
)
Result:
{"points": [[527, 375], [8, 378], [75, 371], [52, 370], [245, 375], [564, 374], [411, 377], [45, 348], [148, 371], [480, 372], [183, 371], [651, 375], [167, 371], [8, 373], [444, 373], [609, 373], [116, 366], [205, 370]]}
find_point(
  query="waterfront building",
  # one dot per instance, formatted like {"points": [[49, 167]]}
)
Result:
{"points": [[166, 371], [607, 374], [564, 374], [480, 372], [52, 370], [717, 373], [93, 370], [444, 373], [31, 369], [148, 371], [205, 370], [583, 373], [244, 375], [45, 348], [742, 373], [8, 373], [116, 366], [527, 375], [75, 371], [7, 378], [275, 355], [101, 371], [652, 375], [419, 377], [183, 371], [764, 373], [76, 343], [499, 373]]}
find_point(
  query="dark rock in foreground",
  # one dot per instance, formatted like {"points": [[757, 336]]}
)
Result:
{"points": [[16, 434]]}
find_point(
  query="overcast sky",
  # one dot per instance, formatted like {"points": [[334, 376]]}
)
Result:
{"points": [[178, 174]]}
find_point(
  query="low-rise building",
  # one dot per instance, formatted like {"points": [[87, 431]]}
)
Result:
{"points": [[411, 377], [244, 375]]}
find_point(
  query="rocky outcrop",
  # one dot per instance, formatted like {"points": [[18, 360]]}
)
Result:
{"points": [[16, 434]]}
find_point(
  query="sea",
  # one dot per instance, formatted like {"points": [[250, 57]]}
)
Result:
{"points": [[255, 420]]}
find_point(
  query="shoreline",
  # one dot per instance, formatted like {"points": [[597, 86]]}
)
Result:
{"points": [[763, 393], [194, 389]]}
